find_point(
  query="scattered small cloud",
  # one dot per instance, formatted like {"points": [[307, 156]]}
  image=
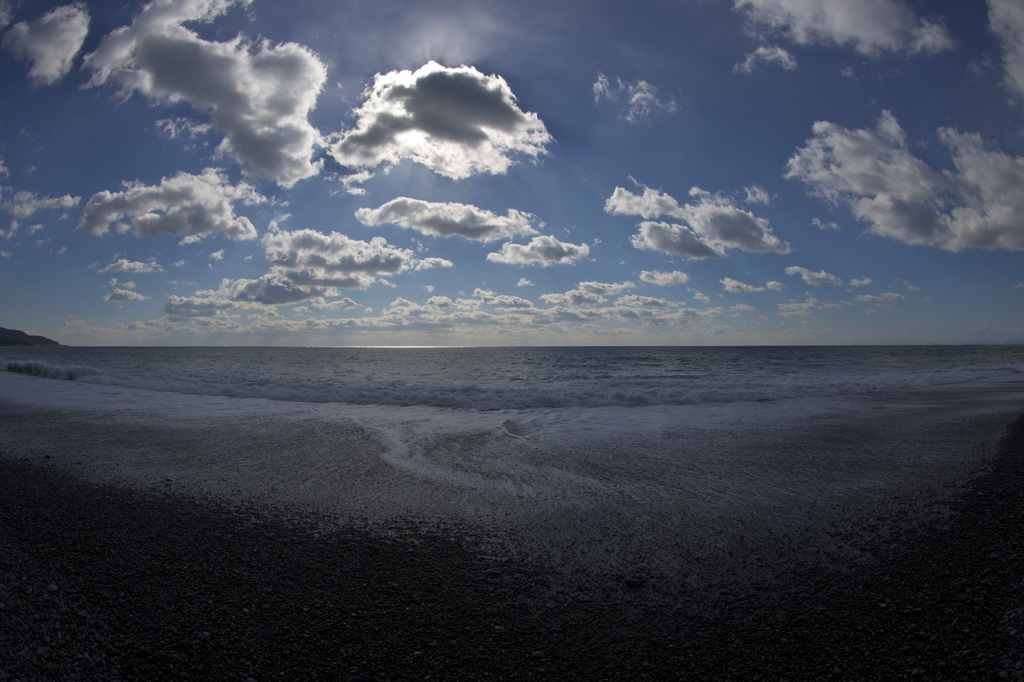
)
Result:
{"points": [[124, 295], [125, 265], [804, 308], [757, 195], [883, 299], [664, 279], [640, 98], [736, 287], [766, 55], [889, 26], [448, 219], [814, 279], [544, 251]]}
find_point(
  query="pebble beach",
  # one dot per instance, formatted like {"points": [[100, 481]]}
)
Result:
{"points": [[106, 582]]}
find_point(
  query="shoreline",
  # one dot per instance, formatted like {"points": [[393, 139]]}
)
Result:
{"points": [[101, 582]]}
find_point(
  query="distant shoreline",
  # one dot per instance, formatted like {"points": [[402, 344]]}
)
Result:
{"points": [[14, 338]]}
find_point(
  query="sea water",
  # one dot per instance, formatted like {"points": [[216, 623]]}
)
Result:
{"points": [[681, 464], [518, 378]]}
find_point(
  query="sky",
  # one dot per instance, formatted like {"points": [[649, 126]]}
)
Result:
{"points": [[567, 172]]}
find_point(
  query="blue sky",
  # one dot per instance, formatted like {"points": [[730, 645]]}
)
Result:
{"points": [[353, 173]]}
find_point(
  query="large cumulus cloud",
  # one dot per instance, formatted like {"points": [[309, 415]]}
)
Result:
{"points": [[258, 95], [455, 121], [448, 219], [49, 43], [183, 205], [980, 204], [712, 224], [544, 251]]}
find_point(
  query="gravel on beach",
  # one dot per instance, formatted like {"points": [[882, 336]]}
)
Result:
{"points": [[99, 582]]}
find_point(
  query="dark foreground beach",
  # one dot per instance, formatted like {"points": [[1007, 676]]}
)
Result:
{"points": [[99, 582]]}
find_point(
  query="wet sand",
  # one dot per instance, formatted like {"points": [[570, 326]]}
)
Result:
{"points": [[99, 581]]}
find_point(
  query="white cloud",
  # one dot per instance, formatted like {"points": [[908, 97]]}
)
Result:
{"points": [[505, 302], [311, 258], [270, 289], [675, 240], [6, 12], [883, 299], [121, 295], [125, 265], [757, 195], [640, 98], [714, 224], [173, 128], [766, 55], [259, 95], [217, 255], [50, 42], [576, 297], [650, 204], [664, 279], [635, 301], [804, 309], [814, 278], [448, 219], [1006, 20], [606, 288], [860, 282], [976, 206], [457, 122], [4, 170], [187, 206], [869, 26], [25, 204], [431, 263], [523, 282], [822, 225], [736, 287], [544, 251], [775, 286]]}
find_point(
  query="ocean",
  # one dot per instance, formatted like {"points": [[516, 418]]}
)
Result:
{"points": [[684, 465], [522, 378]]}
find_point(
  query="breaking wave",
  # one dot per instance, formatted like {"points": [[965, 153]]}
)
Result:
{"points": [[42, 369]]}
